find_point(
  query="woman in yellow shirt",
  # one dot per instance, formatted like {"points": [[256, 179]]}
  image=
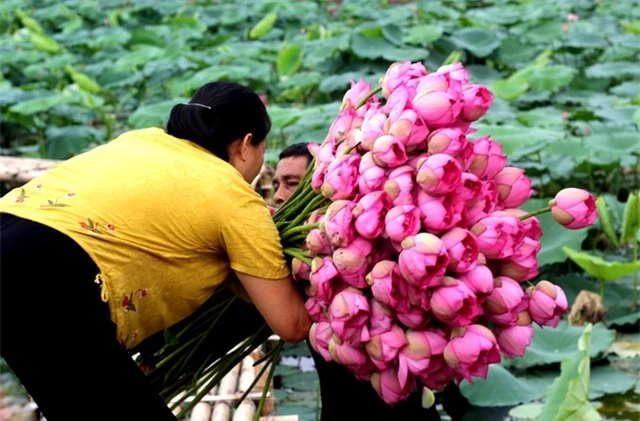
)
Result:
{"points": [[123, 241]]}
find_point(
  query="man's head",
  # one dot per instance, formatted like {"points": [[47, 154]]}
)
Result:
{"points": [[292, 164]]}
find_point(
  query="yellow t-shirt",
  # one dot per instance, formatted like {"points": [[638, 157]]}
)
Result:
{"points": [[163, 219]]}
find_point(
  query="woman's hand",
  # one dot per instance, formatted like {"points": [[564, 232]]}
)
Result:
{"points": [[280, 304]]}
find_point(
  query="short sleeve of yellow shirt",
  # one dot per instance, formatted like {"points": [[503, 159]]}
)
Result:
{"points": [[163, 219]]}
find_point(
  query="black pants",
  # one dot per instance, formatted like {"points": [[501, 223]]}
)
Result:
{"points": [[56, 333], [345, 398]]}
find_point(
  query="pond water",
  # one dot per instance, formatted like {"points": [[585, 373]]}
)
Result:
{"points": [[297, 392]]}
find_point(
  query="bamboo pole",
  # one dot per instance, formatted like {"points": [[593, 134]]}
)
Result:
{"points": [[227, 386], [17, 171], [201, 412]]}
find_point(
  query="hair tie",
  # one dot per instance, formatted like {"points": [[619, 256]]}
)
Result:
{"points": [[197, 105]]}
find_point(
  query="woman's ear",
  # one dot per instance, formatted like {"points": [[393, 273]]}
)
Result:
{"points": [[245, 145]]}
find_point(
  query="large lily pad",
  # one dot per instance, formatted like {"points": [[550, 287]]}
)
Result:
{"points": [[501, 388], [551, 345]]}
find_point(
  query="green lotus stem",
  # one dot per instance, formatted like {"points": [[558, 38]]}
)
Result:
{"points": [[299, 229], [272, 369], [369, 95], [296, 205], [635, 275], [179, 367], [296, 238], [298, 254], [311, 206], [601, 289], [534, 213]]}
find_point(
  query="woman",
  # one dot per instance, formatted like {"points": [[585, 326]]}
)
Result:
{"points": [[121, 242]]}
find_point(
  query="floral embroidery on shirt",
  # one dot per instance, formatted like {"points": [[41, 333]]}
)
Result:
{"points": [[20, 198], [96, 228], [127, 300]]}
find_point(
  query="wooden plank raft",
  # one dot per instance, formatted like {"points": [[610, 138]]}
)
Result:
{"points": [[218, 404]]}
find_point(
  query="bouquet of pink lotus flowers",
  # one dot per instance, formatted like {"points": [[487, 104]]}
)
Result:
{"points": [[407, 236], [416, 267]]}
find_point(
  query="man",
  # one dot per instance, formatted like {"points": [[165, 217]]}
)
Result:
{"points": [[343, 396], [292, 164]]}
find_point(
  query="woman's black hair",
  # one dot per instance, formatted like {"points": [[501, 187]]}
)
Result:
{"points": [[218, 114]]}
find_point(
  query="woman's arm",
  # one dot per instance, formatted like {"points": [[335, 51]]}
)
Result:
{"points": [[281, 304]]}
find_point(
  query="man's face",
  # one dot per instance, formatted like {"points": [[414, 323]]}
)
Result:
{"points": [[289, 173]]}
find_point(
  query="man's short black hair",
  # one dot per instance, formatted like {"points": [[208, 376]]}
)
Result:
{"points": [[295, 150]]}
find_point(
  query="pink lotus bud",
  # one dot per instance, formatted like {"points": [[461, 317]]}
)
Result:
{"points": [[438, 100], [337, 225], [476, 100], [341, 126], [514, 340], [402, 221], [439, 174], [530, 226], [416, 356], [505, 302], [408, 127], [355, 94], [454, 71], [401, 74], [479, 280], [400, 185], [372, 128], [347, 354], [324, 281], [372, 177], [488, 159], [370, 213], [439, 213], [383, 348], [423, 260], [451, 141], [454, 304], [418, 297], [319, 174], [547, 303], [498, 237], [319, 336], [462, 249], [574, 208], [397, 102], [348, 314], [436, 108], [313, 148], [523, 265], [414, 318], [317, 312], [471, 351], [481, 204], [316, 242], [439, 374], [387, 285], [352, 262], [341, 179], [388, 152], [381, 318], [388, 386], [264, 99], [514, 188], [300, 270]]}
